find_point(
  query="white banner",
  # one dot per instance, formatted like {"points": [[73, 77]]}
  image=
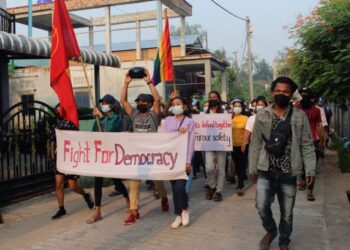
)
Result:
{"points": [[213, 132], [147, 156]]}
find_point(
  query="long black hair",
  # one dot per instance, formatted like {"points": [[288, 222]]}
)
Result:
{"points": [[219, 110], [187, 107]]}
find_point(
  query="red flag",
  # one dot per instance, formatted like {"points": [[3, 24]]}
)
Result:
{"points": [[64, 46]]}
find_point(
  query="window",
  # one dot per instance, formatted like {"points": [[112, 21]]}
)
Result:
{"points": [[28, 103], [82, 99]]}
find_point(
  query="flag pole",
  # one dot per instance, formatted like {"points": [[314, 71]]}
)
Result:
{"points": [[166, 18], [90, 92]]}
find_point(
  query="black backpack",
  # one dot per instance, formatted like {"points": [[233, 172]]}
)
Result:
{"points": [[278, 140]]}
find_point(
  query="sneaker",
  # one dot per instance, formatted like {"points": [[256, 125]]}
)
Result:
{"points": [[165, 204], [60, 214], [88, 200], [177, 222], [185, 217], [132, 219]]}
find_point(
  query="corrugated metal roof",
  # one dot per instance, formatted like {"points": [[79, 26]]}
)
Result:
{"points": [[23, 45], [148, 44]]}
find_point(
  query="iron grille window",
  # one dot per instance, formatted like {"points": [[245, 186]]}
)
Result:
{"points": [[82, 99], [7, 21], [27, 103]]}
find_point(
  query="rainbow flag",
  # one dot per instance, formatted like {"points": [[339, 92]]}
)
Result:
{"points": [[163, 63]]}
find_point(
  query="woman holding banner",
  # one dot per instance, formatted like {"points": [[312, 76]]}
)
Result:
{"points": [[216, 179], [180, 123], [111, 120]]}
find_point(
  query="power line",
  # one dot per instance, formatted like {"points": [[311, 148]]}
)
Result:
{"points": [[232, 14]]}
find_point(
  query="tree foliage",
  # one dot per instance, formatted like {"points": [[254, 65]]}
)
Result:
{"points": [[321, 60], [194, 29]]}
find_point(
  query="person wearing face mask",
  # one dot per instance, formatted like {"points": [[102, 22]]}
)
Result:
{"points": [[145, 119], [179, 122], [260, 104], [314, 116], [109, 121], [215, 160], [238, 124], [275, 171]]}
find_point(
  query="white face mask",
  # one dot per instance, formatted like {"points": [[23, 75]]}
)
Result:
{"points": [[177, 110], [205, 109], [259, 107], [237, 110], [105, 108]]}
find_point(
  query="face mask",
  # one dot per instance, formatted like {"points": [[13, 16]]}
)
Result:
{"points": [[306, 102], [213, 103], [177, 110], [281, 100], [105, 108], [259, 107], [205, 109], [142, 108], [237, 110]]}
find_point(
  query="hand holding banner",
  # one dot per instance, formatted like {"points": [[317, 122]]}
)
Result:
{"points": [[147, 156], [213, 132]]}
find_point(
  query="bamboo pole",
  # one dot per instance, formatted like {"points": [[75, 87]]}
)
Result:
{"points": [[90, 92]]}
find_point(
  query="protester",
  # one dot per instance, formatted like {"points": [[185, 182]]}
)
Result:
{"points": [[239, 157], [60, 177], [215, 160], [274, 166], [314, 116], [145, 119], [260, 104], [109, 120], [180, 123]]}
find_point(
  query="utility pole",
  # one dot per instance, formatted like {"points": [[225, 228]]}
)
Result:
{"points": [[236, 67], [250, 59]]}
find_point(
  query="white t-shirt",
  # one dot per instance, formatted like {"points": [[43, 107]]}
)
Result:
{"points": [[250, 123]]}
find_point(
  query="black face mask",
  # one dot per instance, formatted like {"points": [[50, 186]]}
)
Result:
{"points": [[213, 103], [306, 102], [142, 108], [281, 100]]}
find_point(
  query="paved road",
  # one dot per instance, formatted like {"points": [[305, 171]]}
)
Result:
{"points": [[230, 224]]}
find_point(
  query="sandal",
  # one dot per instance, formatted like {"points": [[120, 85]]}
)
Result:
{"points": [[240, 192], [93, 219], [218, 196], [311, 197], [210, 194]]}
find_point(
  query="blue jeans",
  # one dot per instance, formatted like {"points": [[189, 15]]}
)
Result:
{"points": [[285, 187]]}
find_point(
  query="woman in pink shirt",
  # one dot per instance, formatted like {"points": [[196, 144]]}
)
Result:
{"points": [[180, 123]]}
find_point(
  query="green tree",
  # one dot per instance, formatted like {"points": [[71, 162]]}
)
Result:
{"points": [[321, 59], [194, 29], [262, 70]]}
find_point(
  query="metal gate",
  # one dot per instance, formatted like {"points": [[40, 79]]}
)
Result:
{"points": [[24, 150]]}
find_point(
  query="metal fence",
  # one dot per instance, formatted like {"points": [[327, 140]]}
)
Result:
{"points": [[7, 22], [341, 120], [24, 150]]}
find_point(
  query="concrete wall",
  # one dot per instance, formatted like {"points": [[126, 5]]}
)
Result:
{"points": [[36, 81], [3, 4]]}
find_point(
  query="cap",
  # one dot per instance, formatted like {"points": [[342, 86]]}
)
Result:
{"points": [[144, 97], [237, 99], [306, 91], [108, 99]]}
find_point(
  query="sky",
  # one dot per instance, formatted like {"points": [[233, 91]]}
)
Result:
{"points": [[268, 19]]}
